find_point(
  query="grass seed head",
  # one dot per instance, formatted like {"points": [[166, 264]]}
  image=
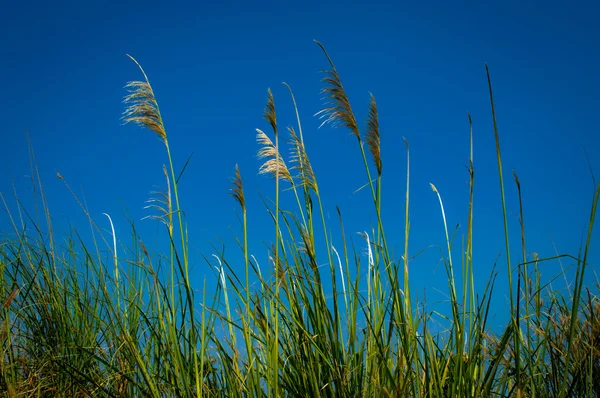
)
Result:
{"points": [[337, 111], [274, 163], [238, 188], [301, 161], [142, 107], [373, 137]]}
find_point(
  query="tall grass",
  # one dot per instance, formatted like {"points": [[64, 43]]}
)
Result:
{"points": [[75, 323]]}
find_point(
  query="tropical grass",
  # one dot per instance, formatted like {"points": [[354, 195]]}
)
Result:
{"points": [[76, 323]]}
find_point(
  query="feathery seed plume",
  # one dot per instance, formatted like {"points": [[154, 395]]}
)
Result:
{"points": [[373, 137], [338, 111], [142, 107]]}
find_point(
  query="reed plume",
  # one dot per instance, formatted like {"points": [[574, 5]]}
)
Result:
{"points": [[238, 188], [373, 137], [163, 203], [142, 107], [269, 112], [274, 163], [301, 161], [338, 111]]}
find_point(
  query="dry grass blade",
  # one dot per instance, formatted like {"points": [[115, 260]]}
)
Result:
{"points": [[142, 107], [274, 163], [238, 188], [373, 137], [338, 111], [8, 301], [300, 158]]}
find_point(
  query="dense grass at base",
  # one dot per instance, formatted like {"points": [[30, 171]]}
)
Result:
{"points": [[74, 323]]}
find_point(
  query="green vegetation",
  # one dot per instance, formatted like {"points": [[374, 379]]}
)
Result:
{"points": [[73, 324]]}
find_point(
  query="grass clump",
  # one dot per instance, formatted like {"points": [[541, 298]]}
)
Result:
{"points": [[74, 323]]}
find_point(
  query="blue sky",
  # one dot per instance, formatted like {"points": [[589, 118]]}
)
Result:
{"points": [[64, 68]]}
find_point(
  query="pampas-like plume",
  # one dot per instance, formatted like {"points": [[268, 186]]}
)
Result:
{"points": [[373, 137], [238, 188], [338, 111], [162, 202], [269, 112], [274, 162], [307, 246], [142, 107], [300, 158]]}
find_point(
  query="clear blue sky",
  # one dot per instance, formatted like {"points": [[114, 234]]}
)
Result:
{"points": [[64, 67]]}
